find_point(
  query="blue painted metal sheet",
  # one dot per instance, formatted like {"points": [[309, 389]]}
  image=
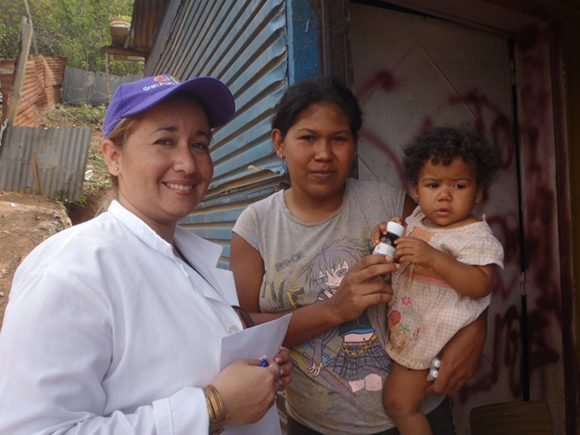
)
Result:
{"points": [[245, 44], [304, 34]]}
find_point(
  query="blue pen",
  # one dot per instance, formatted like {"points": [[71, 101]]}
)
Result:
{"points": [[264, 362]]}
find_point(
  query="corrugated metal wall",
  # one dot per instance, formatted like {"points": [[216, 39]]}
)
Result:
{"points": [[89, 87], [44, 161], [244, 44]]}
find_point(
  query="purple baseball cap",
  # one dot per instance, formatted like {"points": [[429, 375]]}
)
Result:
{"points": [[131, 99]]}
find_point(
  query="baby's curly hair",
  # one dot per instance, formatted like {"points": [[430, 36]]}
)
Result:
{"points": [[443, 144]]}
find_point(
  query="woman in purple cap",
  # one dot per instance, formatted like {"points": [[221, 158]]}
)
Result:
{"points": [[115, 325]]}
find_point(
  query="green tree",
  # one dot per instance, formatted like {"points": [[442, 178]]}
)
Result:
{"points": [[76, 29], [10, 18]]}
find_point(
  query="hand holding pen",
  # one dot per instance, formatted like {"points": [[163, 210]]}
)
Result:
{"points": [[264, 377], [284, 364]]}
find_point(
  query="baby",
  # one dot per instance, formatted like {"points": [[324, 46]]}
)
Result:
{"points": [[448, 259]]}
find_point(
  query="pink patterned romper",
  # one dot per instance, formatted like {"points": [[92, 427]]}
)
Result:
{"points": [[426, 312]]}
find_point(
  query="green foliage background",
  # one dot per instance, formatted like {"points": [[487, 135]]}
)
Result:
{"points": [[76, 29]]}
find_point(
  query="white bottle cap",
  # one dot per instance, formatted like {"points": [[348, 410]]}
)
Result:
{"points": [[385, 249], [395, 228]]}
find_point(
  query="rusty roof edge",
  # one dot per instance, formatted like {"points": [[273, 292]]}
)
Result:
{"points": [[162, 33]]}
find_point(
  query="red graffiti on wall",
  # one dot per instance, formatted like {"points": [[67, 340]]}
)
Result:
{"points": [[536, 271]]}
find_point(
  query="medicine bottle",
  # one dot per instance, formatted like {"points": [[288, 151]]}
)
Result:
{"points": [[387, 244]]}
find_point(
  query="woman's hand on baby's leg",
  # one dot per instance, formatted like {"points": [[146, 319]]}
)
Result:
{"points": [[460, 357]]}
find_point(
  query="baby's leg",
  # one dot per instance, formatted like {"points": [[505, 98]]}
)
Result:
{"points": [[403, 393]]}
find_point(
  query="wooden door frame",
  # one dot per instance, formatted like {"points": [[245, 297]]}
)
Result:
{"points": [[516, 23]]}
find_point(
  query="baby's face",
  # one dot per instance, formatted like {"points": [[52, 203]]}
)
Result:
{"points": [[447, 193]]}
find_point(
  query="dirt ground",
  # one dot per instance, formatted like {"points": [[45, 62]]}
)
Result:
{"points": [[26, 220]]}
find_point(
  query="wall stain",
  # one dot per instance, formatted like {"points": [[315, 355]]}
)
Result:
{"points": [[541, 267]]}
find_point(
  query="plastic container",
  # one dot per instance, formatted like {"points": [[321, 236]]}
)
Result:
{"points": [[387, 244]]}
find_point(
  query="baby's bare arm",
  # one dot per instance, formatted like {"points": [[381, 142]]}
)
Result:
{"points": [[466, 279]]}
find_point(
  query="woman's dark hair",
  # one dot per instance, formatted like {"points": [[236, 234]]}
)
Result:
{"points": [[302, 95], [443, 144]]}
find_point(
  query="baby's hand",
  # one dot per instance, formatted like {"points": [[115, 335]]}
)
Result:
{"points": [[415, 251], [381, 229]]}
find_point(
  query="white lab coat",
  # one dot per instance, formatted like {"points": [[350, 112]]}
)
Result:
{"points": [[108, 332]]}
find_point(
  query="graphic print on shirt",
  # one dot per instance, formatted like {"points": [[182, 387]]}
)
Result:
{"points": [[350, 351]]}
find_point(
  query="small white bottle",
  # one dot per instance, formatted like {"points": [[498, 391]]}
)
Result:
{"points": [[387, 244]]}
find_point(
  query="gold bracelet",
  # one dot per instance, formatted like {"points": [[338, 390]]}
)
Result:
{"points": [[215, 405]]}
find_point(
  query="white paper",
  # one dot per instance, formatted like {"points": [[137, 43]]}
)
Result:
{"points": [[253, 343]]}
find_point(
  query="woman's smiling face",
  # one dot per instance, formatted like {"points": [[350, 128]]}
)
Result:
{"points": [[164, 168]]}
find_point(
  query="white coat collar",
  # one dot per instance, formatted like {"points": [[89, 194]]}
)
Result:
{"points": [[199, 252], [204, 256]]}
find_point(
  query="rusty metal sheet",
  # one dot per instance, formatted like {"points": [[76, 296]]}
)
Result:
{"points": [[146, 15], [44, 161], [41, 89]]}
